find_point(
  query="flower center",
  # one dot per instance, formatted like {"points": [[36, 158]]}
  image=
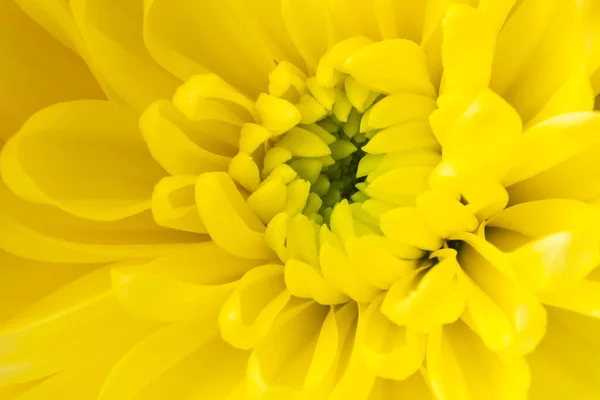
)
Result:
{"points": [[345, 172]]}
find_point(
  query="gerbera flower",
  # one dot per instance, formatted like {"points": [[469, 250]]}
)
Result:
{"points": [[299, 199]]}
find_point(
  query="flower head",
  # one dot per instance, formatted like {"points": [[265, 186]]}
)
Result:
{"points": [[294, 199]]}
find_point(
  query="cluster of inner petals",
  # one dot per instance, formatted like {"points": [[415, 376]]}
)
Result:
{"points": [[347, 177]]}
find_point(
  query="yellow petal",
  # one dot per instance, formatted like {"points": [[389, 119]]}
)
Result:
{"points": [[554, 141], [515, 304], [63, 238], [173, 204], [42, 70], [581, 298], [389, 351], [56, 18], [400, 19], [39, 278], [570, 350], [277, 115], [228, 219], [395, 109], [253, 306], [401, 66], [485, 134], [385, 186], [406, 136], [160, 296], [270, 22], [303, 143], [154, 356], [187, 46], [486, 374], [414, 387], [444, 214], [373, 257], [91, 182], [468, 49], [341, 273], [556, 262], [306, 281], [172, 148], [407, 225], [575, 94], [124, 64], [416, 304], [50, 336], [539, 47], [355, 17], [280, 363], [537, 219], [309, 26]]}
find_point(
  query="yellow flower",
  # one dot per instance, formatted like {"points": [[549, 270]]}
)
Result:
{"points": [[297, 199]]}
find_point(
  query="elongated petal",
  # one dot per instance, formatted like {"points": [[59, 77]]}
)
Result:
{"points": [[187, 38], [309, 26], [151, 361], [468, 49], [282, 369], [539, 48], [42, 71], [110, 175], [48, 337], [570, 350], [115, 47], [63, 238], [175, 151], [228, 219], [40, 278], [252, 308]]}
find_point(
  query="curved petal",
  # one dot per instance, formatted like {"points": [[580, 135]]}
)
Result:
{"points": [[570, 350], [42, 71], [40, 279], [89, 159], [539, 48], [500, 310], [59, 237], [175, 151], [461, 367], [389, 351], [282, 369], [537, 219], [187, 36], [190, 284], [112, 32], [310, 28], [467, 49], [561, 144], [252, 308], [56, 333], [178, 361], [55, 17], [229, 220], [355, 17], [400, 19], [270, 23], [163, 298], [174, 204]]}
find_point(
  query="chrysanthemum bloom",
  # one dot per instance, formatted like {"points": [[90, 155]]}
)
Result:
{"points": [[298, 199]]}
